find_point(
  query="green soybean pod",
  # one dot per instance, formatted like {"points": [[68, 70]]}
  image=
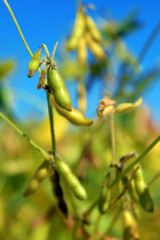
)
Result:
{"points": [[131, 188], [146, 201], [34, 63], [38, 177], [103, 202], [60, 92], [71, 180], [74, 116], [129, 226]]}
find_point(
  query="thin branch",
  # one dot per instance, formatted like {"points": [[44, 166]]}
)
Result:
{"points": [[53, 53], [46, 155], [51, 119], [149, 42], [18, 27], [112, 138], [154, 178]]}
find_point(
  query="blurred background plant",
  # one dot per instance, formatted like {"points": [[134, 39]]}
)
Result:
{"points": [[98, 63]]}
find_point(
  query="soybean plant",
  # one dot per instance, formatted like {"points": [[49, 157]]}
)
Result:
{"points": [[122, 185]]}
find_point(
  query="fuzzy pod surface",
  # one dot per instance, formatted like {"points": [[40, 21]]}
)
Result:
{"points": [[34, 63], [74, 116], [60, 92], [146, 201], [71, 180]]}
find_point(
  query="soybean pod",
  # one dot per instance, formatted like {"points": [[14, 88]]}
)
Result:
{"points": [[103, 203], [71, 180], [146, 201], [34, 63], [58, 87], [131, 188], [130, 231], [74, 116], [39, 176], [58, 192], [93, 29], [104, 198], [95, 48]]}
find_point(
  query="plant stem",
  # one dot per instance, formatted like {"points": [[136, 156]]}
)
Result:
{"points": [[53, 53], [149, 42], [46, 155], [46, 50], [137, 160], [112, 138], [154, 179], [50, 111], [18, 28]]}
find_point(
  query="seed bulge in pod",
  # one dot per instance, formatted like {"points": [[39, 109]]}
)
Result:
{"points": [[33, 187]]}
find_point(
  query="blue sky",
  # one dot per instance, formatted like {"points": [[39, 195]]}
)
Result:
{"points": [[49, 21]]}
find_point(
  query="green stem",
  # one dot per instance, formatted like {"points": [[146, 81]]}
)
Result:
{"points": [[53, 53], [112, 139], [41, 150], [154, 179], [46, 50], [137, 160], [51, 119], [18, 28]]}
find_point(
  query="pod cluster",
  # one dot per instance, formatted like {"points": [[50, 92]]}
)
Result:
{"points": [[35, 182], [56, 88], [85, 35]]}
